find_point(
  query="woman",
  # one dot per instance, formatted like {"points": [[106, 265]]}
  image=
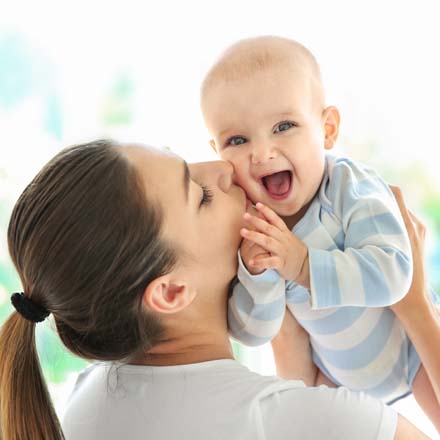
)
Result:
{"points": [[132, 251]]}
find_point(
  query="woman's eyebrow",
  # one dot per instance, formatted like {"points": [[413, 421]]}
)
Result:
{"points": [[186, 179]]}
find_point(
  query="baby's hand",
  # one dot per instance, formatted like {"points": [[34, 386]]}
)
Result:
{"points": [[278, 248], [250, 251]]}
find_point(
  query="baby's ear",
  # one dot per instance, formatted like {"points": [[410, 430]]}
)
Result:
{"points": [[331, 121], [212, 143]]}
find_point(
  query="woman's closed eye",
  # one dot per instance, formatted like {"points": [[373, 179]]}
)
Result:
{"points": [[284, 126], [207, 196], [236, 140]]}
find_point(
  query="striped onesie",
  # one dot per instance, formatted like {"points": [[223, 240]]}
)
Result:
{"points": [[360, 263]]}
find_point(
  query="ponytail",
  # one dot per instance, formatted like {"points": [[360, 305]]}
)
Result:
{"points": [[26, 410], [86, 241]]}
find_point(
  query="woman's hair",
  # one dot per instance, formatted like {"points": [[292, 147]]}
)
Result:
{"points": [[86, 242]]}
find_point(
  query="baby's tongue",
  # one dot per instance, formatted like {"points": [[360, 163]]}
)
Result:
{"points": [[278, 183]]}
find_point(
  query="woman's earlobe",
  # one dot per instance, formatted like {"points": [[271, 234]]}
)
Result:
{"points": [[165, 295], [331, 126]]}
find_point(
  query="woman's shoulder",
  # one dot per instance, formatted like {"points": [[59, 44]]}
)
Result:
{"points": [[193, 401]]}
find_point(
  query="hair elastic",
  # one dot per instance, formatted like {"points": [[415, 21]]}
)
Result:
{"points": [[28, 308]]}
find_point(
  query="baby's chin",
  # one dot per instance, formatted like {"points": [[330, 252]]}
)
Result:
{"points": [[292, 217], [290, 212]]}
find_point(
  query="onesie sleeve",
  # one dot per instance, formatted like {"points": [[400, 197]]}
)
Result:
{"points": [[256, 307], [325, 413], [374, 268]]}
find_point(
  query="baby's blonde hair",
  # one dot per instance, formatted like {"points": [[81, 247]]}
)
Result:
{"points": [[258, 54]]}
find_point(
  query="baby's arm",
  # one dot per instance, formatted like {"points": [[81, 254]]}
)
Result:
{"points": [[256, 307], [375, 267]]}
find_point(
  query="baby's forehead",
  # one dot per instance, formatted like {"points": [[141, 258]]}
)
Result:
{"points": [[265, 55]]}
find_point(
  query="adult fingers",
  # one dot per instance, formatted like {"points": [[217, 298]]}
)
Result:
{"points": [[402, 206]]}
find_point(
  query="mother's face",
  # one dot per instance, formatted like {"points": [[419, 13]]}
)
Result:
{"points": [[202, 209]]}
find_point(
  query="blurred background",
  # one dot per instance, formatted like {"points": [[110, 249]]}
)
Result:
{"points": [[74, 71]]}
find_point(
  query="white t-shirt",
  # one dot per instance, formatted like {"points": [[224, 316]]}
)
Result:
{"points": [[216, 400]]}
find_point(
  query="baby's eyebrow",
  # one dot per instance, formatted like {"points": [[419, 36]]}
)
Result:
{"points": [[281, 114], [186, 179], [223, 132]]}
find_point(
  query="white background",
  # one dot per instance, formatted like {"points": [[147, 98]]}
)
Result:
{"points": [[379, 60]]}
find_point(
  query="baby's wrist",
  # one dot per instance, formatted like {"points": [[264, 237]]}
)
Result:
{"points": [[303, 278]]}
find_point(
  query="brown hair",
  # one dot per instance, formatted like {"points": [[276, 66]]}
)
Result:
{"points": [[86, 242]]}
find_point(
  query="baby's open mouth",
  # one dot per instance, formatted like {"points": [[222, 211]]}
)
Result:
{"points": [[278, 184]]}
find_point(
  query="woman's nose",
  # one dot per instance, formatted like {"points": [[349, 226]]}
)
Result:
{"points": [[224, 175], [217, 173]]}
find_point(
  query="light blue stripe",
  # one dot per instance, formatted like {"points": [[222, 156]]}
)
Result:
{"points": [[308, 223], [267, 278], [414, 362], [333, 247], [366, 351], [334, 323], [339, 240], [402, 260], [296, 294], [263, 312], [242, 335], [380, 224], [318, 362], [393, 380], [360, 190], [377, 293], [325, 278]]}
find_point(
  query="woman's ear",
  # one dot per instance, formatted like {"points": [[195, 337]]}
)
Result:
{"points": [[331, 119], [166, 295]]}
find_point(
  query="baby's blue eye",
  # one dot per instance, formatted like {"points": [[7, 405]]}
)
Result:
{"points": [[236, 140], [283, 126]]}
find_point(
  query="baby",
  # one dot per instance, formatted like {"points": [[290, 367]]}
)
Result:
{"points": [[328, 240]]}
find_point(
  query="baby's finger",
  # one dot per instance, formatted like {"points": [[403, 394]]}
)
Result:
{"points": [[264, 263], [262, 225], [271, 216], [265, 241]]}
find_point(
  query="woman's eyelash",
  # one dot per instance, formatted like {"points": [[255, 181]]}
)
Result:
{"points": [[207, 195]]}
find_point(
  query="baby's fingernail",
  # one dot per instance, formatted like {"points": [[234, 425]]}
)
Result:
{"points": [[259, 205], [247, 216]]}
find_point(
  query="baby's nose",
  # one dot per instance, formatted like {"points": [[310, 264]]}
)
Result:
{"points": [[262, 152]]}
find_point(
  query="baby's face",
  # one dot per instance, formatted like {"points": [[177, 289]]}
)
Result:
{"points": [[272, 131]]}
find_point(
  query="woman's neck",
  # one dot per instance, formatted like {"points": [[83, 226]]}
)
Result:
{"points": [[192, 355], [189, 345]]}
